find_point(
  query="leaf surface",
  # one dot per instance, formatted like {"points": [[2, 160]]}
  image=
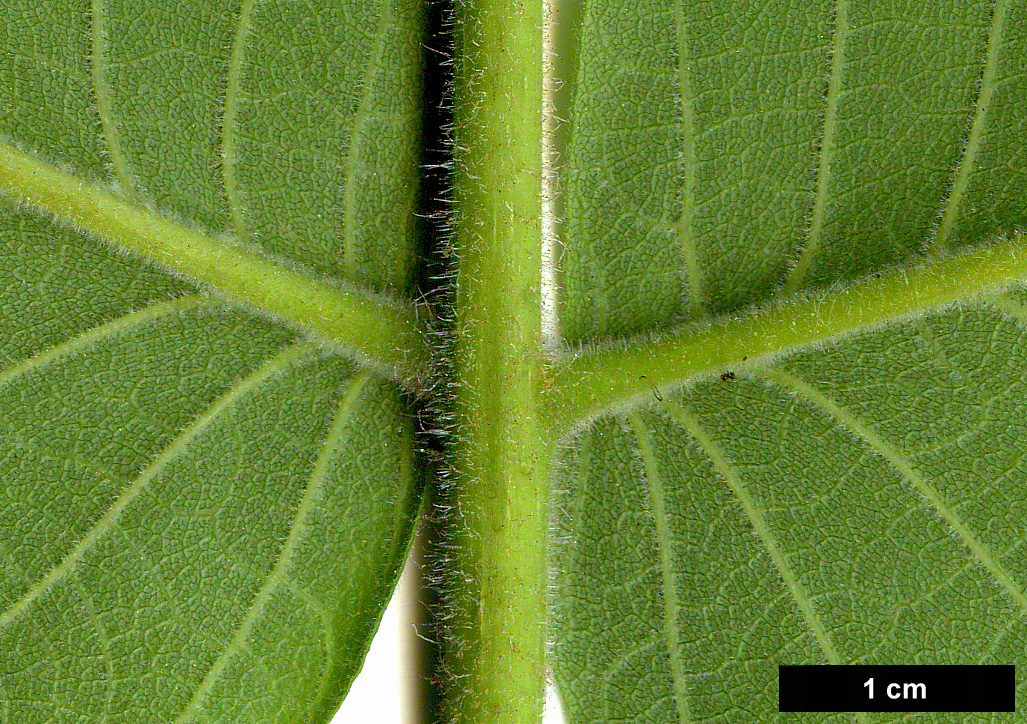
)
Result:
{"points": [[858, 502], [203, 511]]}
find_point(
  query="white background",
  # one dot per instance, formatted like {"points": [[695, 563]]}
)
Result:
{"points": [[387, 691]]}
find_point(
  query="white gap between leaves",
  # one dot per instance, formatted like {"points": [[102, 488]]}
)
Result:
{"points": [[389, 688]]}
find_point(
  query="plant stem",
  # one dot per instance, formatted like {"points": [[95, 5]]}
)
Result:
{"points": [[502, 463]]}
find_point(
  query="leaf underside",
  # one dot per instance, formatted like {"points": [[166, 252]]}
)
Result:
{"points": [[203, 513], [861, 502]]}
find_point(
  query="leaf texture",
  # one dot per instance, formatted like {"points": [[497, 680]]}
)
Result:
{"points": [[858, 502], [720, 151], [203, 512]]}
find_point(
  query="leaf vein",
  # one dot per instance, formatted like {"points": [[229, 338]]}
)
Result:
{"points": [[176, 447], [961, 180], [665, 542], [228, 119], [898, 461], [374, 64], [726, 469], [278, 574], [105, 648], [102, 90], [834, 91], [685, 235], [100, 333]]}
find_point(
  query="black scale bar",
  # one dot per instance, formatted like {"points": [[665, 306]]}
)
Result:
{"points": [[828, 688]]}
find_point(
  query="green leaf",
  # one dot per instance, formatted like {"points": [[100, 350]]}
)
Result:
{"points": [[858, 500], [205, 506], [790, 402]]}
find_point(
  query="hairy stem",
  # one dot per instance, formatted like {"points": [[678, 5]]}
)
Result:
{"points": [[502, 463]]}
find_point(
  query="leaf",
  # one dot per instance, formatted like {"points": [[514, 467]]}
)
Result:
{"points": [[856, 501], [204, 509]]}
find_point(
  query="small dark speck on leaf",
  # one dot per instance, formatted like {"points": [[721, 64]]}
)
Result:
{"points": [[727, 376]]}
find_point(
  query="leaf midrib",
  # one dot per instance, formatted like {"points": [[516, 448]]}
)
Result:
{"points": [[376, 330], [612, 377]]}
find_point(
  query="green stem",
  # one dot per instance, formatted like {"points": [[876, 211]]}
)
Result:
{"points": [[619, 376], [378, 332], [502, 461]]}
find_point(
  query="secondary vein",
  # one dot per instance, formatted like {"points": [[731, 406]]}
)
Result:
{"points": [[173, 450], [684, 224], [100, 333], [834, 88], [665, 542], [329, 448], [102, 90], [353, 164], [766, 534], [898, 461], [961, 182], [228, 120]]}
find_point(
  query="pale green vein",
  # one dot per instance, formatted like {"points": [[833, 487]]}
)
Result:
{"points": [[940, 357], [766, 535], [228, 121], [1009, 305], [961, 182], [353, 164], [174, 449], [153, 575], [329, 639], [834, 89], [665, 541], [100, 333], [898, 461], [105, 648], [997, 638], [684, 224], [308, 502], [374, 329], [102, 90], [621, 374]]}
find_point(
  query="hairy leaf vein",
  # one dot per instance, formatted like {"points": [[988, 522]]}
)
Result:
{"points": [[766, 535], [686, 238], [173, 450], [665, 541], [353, 161], [961, 182], [834, 91], [102, 332], [228, 119], [898, 461], [102, 91], [329, 448]]}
